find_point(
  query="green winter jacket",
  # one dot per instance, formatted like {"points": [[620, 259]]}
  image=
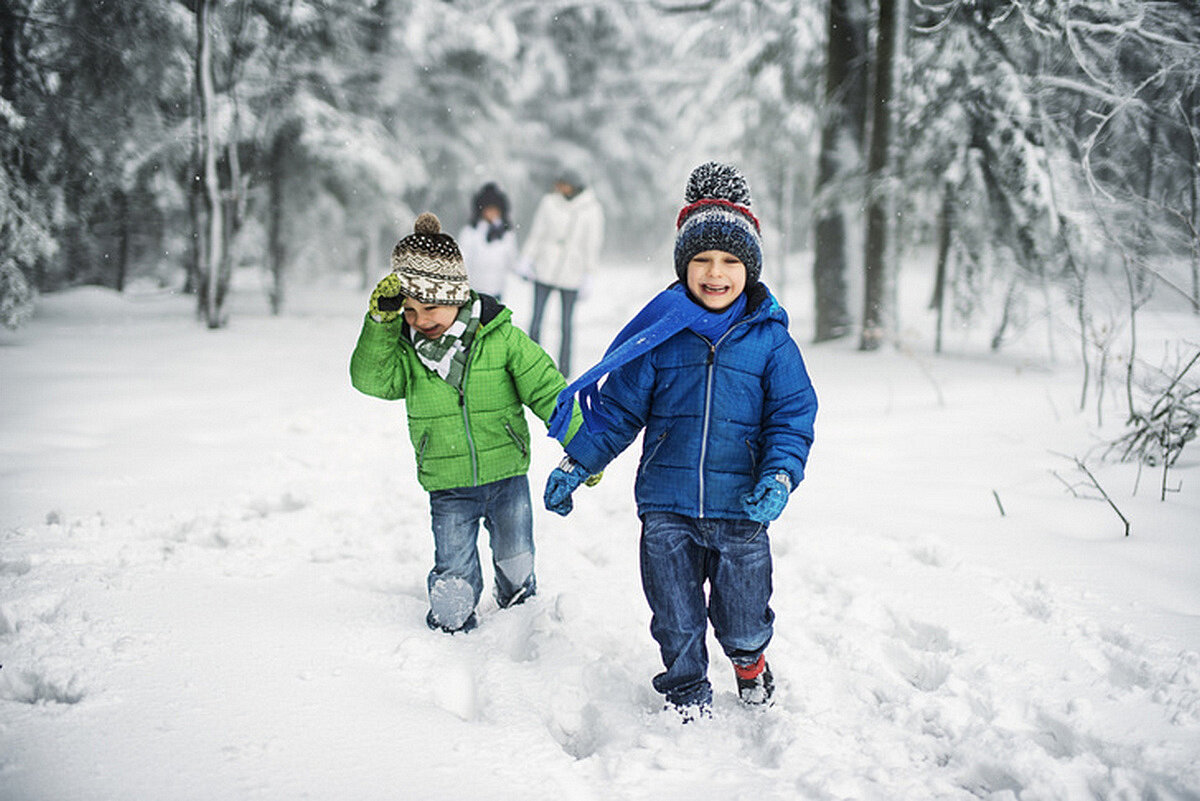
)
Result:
{"points": [[479, 435]]}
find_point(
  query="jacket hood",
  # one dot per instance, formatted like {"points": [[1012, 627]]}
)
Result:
{"points": [[760, 303]]}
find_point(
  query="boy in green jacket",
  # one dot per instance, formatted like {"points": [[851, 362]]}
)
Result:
{"points": [[465, 373]]}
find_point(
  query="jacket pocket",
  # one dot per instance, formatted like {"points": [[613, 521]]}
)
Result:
{"points": [[753, 455], [516, 440], [652, 450], [421, 451]]}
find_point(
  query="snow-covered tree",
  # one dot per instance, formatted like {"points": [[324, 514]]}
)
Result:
{"points": [[1041, 130]]}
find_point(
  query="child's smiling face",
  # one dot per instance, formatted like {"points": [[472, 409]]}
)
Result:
{"points": [[428, 320], [716, 278]]}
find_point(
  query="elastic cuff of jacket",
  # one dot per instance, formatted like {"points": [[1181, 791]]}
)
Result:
{"points": [[585, 459], [392, 321]]}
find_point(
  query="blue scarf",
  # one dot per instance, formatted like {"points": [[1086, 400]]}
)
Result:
{"points": [[668, 313]]}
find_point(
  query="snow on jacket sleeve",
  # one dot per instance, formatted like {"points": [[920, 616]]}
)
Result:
{"points": [[788, 413], [626, 396], [377, 365]]}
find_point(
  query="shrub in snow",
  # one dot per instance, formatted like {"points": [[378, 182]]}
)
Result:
{"points": [[1157, 435], [16, 296]]}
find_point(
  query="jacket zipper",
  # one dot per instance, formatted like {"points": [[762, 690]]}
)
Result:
{"points": [[462, 404], [708, 386], [708, 382]]}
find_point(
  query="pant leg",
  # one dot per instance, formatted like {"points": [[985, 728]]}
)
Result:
{"points": [[541, 293], [740, 589], [672, 566], [569, 296], [509, 521], [456, 581]]}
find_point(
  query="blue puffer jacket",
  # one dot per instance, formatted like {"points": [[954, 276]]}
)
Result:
{"points": [[717, 415]]}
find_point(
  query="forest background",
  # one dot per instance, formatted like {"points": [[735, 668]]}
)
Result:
{"points": [[1038, 148], [211, 545]]}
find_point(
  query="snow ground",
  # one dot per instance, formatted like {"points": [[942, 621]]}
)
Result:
{"points": [[213, 553]]}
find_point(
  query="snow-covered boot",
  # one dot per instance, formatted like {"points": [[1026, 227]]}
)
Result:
{"points": [[755, 682], [464, 627], [690, 713], [451, 604]]}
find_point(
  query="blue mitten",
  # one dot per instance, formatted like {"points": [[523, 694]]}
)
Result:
{"points": [[563, 480], [765, 502]]}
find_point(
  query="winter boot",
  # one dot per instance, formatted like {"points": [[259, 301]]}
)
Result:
{"points": [[755, 682], [690, 713], [466, 626]]}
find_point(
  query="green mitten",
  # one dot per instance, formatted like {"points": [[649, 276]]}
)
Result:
{"points": [[386, 301]]}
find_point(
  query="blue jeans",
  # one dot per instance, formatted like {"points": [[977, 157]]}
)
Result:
{"points": [[678, 555], [541, 294], [456, 582]]}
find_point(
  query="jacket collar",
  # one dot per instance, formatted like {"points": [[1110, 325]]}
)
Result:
{"points": [[491, 310]]}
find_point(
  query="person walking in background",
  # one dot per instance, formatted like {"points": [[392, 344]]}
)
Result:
{"points": [[561, 252], [465, 372], [709, 371], [488, 243]]}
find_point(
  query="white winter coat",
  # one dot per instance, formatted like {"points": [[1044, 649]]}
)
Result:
{"points": [[564, 240], [488, 263]]}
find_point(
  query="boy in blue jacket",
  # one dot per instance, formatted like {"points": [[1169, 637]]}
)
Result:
{"points": [[709, 370]]}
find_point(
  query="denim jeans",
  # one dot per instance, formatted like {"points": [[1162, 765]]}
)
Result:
{"points": [[678, 556], [541, 294], [456, 582]]}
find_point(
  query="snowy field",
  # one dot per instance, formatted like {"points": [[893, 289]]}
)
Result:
{"points": [[213, 554]]}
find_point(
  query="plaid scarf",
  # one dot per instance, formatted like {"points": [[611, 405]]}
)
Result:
{"points": [[447, 355]]}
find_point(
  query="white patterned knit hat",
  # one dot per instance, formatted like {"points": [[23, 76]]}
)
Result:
{"points": [[430, 266]]}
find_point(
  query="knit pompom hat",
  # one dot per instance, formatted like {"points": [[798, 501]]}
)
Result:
{"points": [[717, 216], [430, 266]]}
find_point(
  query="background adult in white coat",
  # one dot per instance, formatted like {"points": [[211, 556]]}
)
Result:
{"points": [[561, 251]]}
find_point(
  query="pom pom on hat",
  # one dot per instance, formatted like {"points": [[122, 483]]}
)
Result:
{"points": [[717, 181], [430, 265], [717, 216], [427, 223]]}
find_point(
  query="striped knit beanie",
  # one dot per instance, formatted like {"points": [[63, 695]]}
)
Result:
{"points": [[717, 217], [430, 266]]}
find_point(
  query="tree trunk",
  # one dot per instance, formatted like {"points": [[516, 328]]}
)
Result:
{"points": [[9, 62], [841, 139], [214, 254], [123, 242], [945, 229], [277, 254], [875, 267], [1010, 297], [787, 209], [1081, 311], [1194, 190]]}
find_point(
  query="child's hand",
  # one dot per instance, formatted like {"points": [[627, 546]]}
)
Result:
{"points": [[386, 300], [765, 502], [563, 480]]}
